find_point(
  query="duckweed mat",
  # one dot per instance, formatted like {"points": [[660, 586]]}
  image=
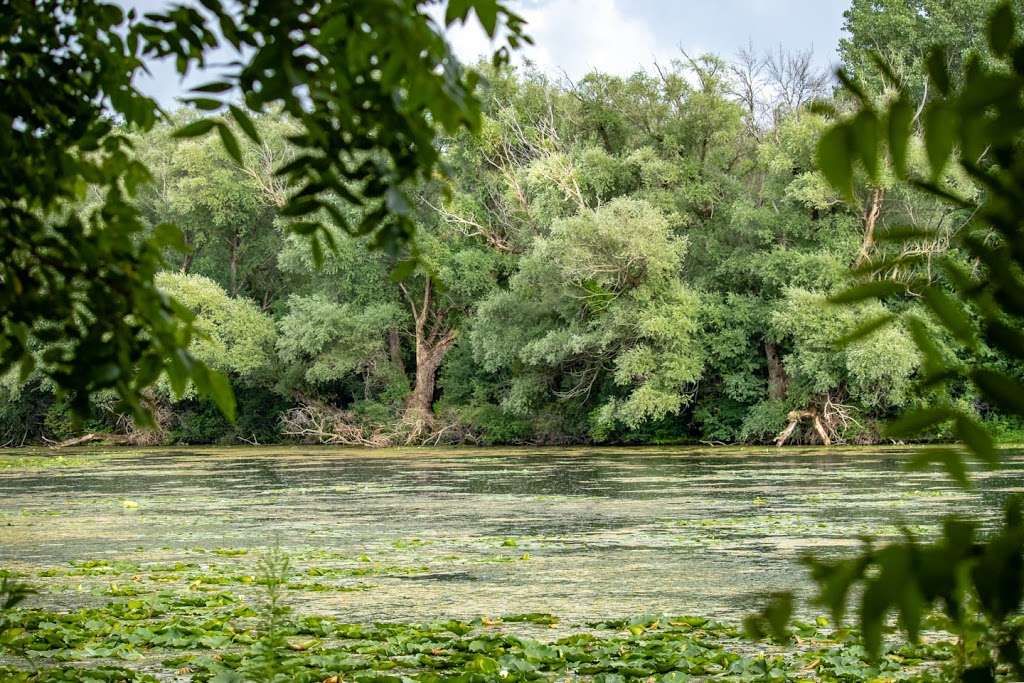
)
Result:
{"points": [[448, 565]]}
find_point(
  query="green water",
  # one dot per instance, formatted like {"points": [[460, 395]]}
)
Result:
{"points": [[410, 535]]}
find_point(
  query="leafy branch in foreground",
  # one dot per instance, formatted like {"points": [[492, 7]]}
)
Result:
{"points": [[975, 120], [12, 594], [370, 83], [975, 581]]}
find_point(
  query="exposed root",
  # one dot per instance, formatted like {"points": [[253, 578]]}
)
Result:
{"points": [[838, 418], [795, 418], [316, 422], [830, 420], [415, 425]]}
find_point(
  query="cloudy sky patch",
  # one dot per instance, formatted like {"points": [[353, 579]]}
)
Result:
{"points": [[573, 37]]}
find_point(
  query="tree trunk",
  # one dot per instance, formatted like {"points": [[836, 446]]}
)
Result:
{"points": [[820, 428], [778, 381], [871, 215], [395, 351], [431, 347], [191, 252], [421, 400], [781, 439], [233, 264]]}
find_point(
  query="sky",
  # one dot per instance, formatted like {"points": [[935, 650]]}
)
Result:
{"points": [[573, 37]]}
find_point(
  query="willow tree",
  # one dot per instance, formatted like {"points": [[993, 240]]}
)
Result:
{"points": [[596, 314]]}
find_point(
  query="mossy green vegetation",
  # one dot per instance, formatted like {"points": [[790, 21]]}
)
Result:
{"points": [[203, 628]]}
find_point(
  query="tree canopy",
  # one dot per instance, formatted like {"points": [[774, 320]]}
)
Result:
{"points": [[638, 258]]}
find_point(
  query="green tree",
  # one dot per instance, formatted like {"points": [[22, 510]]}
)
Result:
{"points": [[357, 333], [232, 335], [236, 338], [596, 314], [904, 32], [227, 210]]}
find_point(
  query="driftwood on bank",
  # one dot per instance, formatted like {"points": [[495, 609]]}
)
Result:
{"points": [[317, 422], [120, 439]]}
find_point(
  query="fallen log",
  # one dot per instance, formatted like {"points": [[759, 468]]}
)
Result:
{"points": [[91, 437]]}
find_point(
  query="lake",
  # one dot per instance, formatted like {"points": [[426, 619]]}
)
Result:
{"points": [[406, 535]]}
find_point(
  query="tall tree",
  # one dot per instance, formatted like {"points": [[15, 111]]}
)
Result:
{"points": [[596, 315], [355, 329]]}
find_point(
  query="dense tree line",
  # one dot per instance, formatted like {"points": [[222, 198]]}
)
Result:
{"points": [[640, 259]]}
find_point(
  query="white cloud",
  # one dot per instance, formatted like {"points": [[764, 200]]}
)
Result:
{"points": [[575, 36]]}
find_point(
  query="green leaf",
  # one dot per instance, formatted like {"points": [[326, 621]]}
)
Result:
{"points": [[901, 115], [149, 369], [874, 605], [1000, 389], [487, 13], [950, 459], [911, 607], [222, 394], [456, 10], [229, 141], [866, 329], [178, 372], [195, 129], [977, 438], [245, 123], [28, 364], [317, 251], [865, 132], [923, 338], [1006, 338], [213, 87], [170, 235], [301, 206], [778, 613], [939, 134], [403, 269], [878, 289], [904, 233], [205, 103], [304, 227], [913, 422], [951, 314], [1001, 27], [982, 673], [938, 71], [834, 160], [772, 620], [823, 108]]}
